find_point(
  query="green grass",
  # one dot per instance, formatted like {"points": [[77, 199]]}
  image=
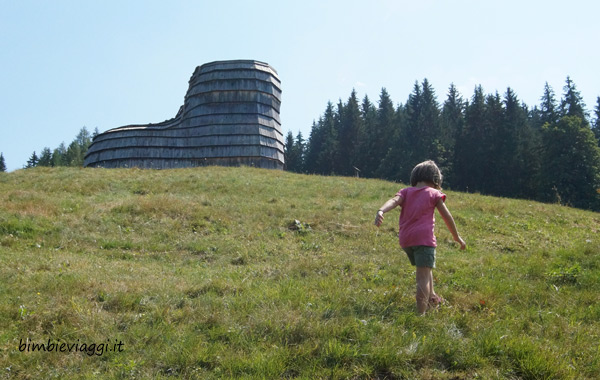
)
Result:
{"points": [[247, 273]]}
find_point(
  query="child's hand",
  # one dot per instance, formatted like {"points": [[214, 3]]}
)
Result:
{"points": [[379, 218], [462, 243]]}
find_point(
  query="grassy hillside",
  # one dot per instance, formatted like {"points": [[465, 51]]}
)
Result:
{"points": [[203, 273]]}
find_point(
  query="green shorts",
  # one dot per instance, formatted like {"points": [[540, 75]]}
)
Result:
{"points": [[421, 255]]}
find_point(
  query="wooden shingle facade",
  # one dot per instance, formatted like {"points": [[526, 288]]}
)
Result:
{"points": [[230, 117]]}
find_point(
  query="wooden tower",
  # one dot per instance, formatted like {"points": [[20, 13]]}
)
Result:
{"points": [[230, 117]]}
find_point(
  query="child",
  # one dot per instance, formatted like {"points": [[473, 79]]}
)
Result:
{"points": [[417, 222]]}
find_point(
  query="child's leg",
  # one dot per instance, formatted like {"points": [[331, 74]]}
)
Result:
{"points": [[424, 288], [434, 299]]}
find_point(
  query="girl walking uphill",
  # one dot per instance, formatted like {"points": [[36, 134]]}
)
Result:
{"points": [[417, 222]]}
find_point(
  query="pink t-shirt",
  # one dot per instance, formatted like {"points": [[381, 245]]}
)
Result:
{"points": [[417, 220]]}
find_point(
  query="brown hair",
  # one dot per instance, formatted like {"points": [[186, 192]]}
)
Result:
{"points": [[427, 171]]}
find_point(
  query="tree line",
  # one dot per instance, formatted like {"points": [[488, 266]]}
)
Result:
{"points": [[490, 144], [63, 155]]}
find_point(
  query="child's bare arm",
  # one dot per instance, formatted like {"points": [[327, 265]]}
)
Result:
{"points": [[449, 220], [387, 206]]}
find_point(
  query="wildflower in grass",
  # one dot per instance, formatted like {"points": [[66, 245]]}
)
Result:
{"points": [[417, 222]]}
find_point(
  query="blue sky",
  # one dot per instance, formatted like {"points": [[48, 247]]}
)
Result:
{"points": [[66, 64]]}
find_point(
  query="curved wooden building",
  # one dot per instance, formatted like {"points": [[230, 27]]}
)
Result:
{"points": [[230, 117]]}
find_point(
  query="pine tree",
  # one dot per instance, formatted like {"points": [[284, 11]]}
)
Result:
{"points": [[472, 147], [413, 123], [58, 155], [395, 164], [287, 151], [495, 146], [548, 109], [349, 132], [572, 103], [429, 121], [328, 158], [33, 161], [293, 153], [385, 129], [529, 160], [74, 156], [452, 119], [300, 149], [79, 146], [2, 163], [322, 150], [519, 151], [504, 121], [421, 137], [45, 157], [83, 139], [368, 158], [313, 147]]}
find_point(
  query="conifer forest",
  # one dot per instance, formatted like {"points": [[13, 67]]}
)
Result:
{"points": [[489, 143]]}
